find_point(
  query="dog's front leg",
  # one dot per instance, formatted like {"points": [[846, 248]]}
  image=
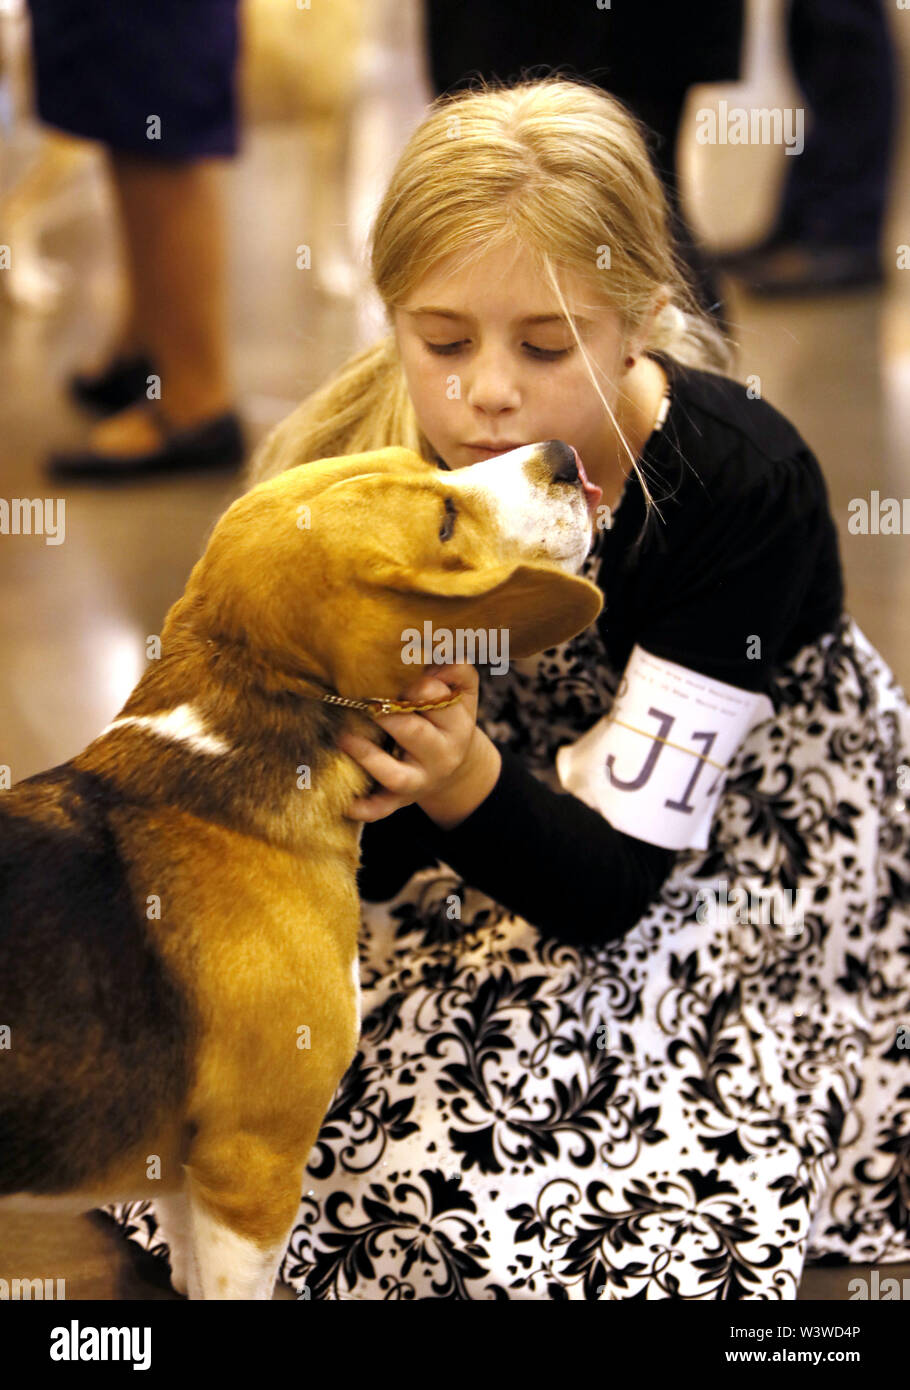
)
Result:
{"points": [[241, 1219]]}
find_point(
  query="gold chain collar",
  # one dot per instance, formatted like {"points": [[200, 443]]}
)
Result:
{"points": [[386, 705], [392, 706]]}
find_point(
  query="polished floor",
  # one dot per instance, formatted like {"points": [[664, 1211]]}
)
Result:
{"points": [[74, 617]]}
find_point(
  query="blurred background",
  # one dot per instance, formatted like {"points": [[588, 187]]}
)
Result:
{"points": [[809, 271]]}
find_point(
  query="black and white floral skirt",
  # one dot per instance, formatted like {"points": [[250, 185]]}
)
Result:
{"points": [[693, 1111]]}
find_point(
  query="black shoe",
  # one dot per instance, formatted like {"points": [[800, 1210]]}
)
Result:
{"points": [[124, 381], [215, 445], [796, 269]]}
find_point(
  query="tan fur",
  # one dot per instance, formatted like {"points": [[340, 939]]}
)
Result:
{"points": [[300, 63]]}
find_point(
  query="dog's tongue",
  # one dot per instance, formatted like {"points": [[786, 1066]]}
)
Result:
{"points": [[592, 492]]}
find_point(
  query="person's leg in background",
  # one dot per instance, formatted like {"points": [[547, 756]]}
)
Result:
{"points": [[175, 259], [156, 86], [828, 231]]}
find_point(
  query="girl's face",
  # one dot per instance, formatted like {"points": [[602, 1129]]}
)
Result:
{"points": [[491, 363]]}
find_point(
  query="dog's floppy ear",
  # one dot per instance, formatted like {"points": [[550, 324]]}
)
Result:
{"points": [[539, 604]]}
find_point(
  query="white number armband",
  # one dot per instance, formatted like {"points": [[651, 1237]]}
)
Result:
{"points": [[655, 766]]}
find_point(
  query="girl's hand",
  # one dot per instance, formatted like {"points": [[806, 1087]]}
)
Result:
{"points": [[437, 745]]}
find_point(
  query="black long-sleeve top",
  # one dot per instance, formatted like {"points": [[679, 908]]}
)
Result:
{"points": [[747, 547]]}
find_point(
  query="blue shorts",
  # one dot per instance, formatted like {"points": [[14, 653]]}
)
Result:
{"points": [[104, 69]]}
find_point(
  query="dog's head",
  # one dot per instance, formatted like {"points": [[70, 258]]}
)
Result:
{"points": [[324, 568]]}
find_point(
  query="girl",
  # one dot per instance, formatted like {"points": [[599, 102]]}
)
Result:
{"points": [[603, 1053]]}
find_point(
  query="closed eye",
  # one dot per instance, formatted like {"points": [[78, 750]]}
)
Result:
{"points": [[538, 354], [448, 525]]}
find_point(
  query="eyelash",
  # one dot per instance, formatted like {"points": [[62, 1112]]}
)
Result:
{"points": [[541, 354]]}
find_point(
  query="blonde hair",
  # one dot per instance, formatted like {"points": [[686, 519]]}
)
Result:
{"points": [[557, 165]]}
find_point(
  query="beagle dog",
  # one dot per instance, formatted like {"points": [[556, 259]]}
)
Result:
{"points": [[178, 903]]}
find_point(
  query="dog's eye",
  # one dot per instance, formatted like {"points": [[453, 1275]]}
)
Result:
{"points": [[448, 525]]}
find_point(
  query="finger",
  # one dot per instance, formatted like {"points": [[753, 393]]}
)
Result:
{"points": [[457, 675], [399, 777], [446, 718], [374, 808], [428, 687], [425, 726], [428, 745]]}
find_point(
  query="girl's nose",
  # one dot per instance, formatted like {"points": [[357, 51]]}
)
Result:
{"points": [[492, 386]]}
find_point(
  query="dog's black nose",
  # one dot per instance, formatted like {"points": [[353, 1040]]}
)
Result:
{"points": [[561, 458]]}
